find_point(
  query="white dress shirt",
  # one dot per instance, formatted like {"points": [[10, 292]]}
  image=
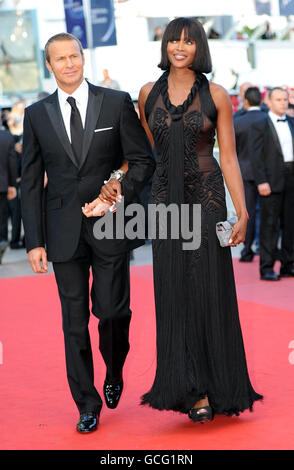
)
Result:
{"points": [[284, 134], [81, 95]]}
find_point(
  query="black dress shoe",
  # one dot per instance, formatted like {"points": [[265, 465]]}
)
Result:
{"points": [[112, 393], [288, 272], [88, 422], [270, 276]]}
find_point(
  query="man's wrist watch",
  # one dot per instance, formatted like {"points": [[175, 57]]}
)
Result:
{"points": [[117, 174]]}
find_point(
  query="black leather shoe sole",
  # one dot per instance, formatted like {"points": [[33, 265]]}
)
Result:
{"points": [[86, 431], [270, 277]]}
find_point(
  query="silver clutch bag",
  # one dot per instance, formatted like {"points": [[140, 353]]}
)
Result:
{"points": [[224, 230]]}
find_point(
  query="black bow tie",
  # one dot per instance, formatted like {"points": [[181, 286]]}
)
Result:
{"points": [[281, 120]]}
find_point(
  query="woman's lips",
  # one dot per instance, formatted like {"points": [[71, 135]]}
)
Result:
{"points": [[180, 57]]}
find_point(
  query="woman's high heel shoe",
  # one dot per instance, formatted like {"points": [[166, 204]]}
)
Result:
{"points": [[202, 414]]}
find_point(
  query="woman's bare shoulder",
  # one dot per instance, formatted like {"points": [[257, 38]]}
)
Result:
{"points": [[145, 90], [218, 93]]}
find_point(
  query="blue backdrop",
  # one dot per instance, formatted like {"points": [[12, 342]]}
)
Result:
{"points": [[102, 21]]}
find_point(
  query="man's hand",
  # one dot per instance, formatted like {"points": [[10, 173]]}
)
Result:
{"points": [[36, 256], [11, 193], [18, 147], [110, 191], [264, 189]]}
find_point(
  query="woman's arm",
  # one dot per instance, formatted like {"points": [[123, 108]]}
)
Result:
{"points": [[143, 95], [109, 191], [228, 159]]}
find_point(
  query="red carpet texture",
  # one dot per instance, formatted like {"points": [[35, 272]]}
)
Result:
{"points": [[35, 395]]}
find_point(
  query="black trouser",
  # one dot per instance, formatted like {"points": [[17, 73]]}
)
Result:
{"points": [[274, 208], [251, 195], [3, 216], [110, 295], [10, 208], [14, 208]]}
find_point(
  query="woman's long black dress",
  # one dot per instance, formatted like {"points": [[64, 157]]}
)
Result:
{"points": [[200, 349]]}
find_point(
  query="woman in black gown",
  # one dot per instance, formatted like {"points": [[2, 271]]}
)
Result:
{"points": [[201, 364]]}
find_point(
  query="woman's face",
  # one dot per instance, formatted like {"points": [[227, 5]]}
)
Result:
{"points": [[181, 52]]}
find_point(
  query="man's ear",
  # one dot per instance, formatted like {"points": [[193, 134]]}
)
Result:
{"points": [[49, 66], [246, 104]]}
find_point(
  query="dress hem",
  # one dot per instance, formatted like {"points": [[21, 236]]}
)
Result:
{"points": [[230, 411]]}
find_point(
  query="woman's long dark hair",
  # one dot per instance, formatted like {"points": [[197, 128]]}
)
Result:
{"points": [[193, 30]]}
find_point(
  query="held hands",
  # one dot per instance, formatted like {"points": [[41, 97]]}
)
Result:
{"points": [[239, 231], [110, 191], [96, 208], [109, 194], [38, 260]]}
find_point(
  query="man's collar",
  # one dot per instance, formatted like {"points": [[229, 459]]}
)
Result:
{"points": [[254, 108], [275, 116], [78, 94]]}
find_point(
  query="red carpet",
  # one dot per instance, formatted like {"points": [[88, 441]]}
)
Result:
{"points": [[34, 391]]}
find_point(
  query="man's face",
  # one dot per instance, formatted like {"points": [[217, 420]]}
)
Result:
{"points": [[278, 102], [66, 63]]}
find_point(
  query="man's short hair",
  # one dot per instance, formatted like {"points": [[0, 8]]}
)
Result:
{"points": [[62, 37], [276, 88], [253, 96]]}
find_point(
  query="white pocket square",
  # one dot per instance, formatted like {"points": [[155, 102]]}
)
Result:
{"points": [[103, 129]]}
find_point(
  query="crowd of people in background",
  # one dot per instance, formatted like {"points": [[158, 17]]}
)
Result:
{"points": [[264, 131], [260, 152]]}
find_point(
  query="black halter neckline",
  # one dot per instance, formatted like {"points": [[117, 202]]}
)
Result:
{"points": [[176, 112]]}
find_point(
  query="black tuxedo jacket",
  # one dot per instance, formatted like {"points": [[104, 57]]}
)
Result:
{"points": [[113, 133], [243, 128], [267, 158], [8, 161]]}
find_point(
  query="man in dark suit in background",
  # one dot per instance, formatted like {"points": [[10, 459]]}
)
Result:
{"points": [[79, 136], [273, 166], [242, 89], [8, 175], [243, 127]]}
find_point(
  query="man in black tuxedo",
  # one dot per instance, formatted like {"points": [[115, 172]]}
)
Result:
{"points": [[243, 127], [79, 135], [8, 175], [273, 165]]}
